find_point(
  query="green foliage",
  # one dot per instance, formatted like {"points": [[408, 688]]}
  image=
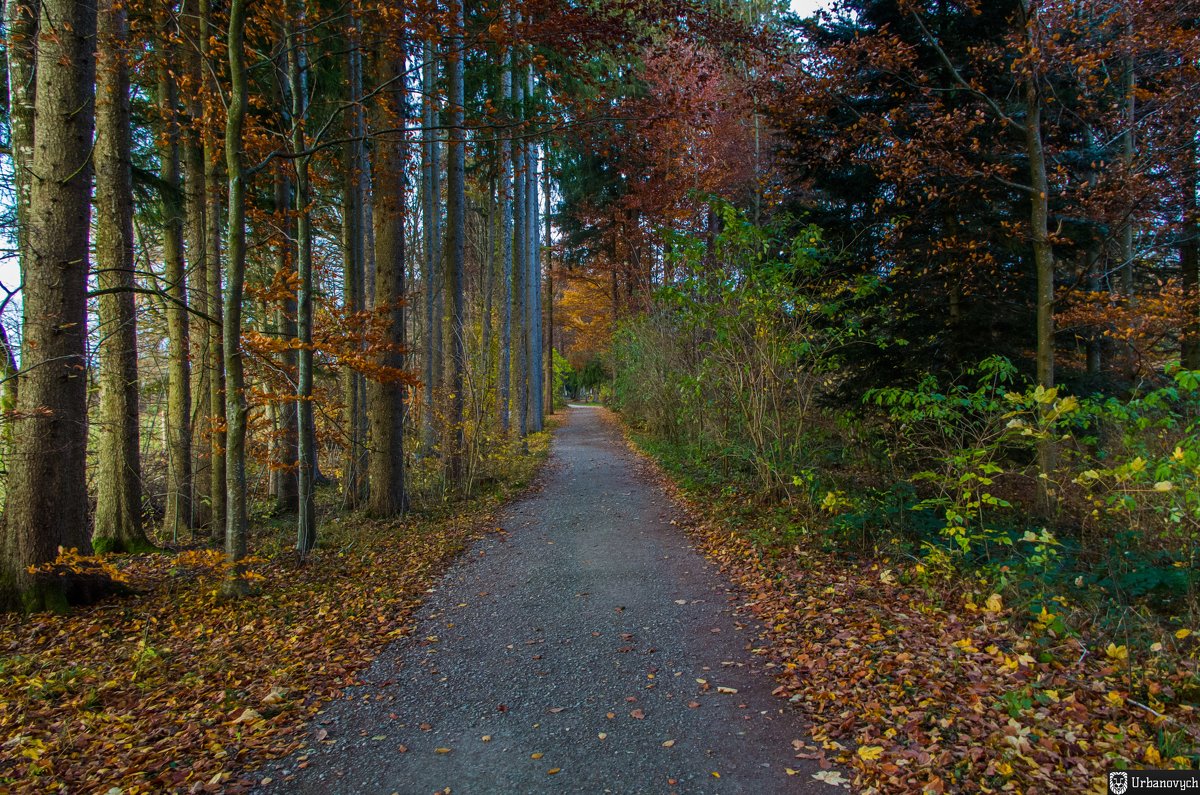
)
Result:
{"points": [[737, 353]]}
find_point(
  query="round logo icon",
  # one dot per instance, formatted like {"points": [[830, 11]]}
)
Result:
{"points": [[1118, 783]]}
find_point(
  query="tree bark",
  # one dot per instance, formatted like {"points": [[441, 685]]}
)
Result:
{"points": [[284, 478], [387, 403], [354, 462], [456, 205], [196, 243], [306, 443], [549, 296], [235, 399], [21, 26], [213, 183], [179, 404], [506, 257], [1043, 254], [47, 501], [520, 267], [431, 214], [1189, 254], [118, 519]]}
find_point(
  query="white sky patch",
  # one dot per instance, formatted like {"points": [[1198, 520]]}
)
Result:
{"points": [[806, 7]]}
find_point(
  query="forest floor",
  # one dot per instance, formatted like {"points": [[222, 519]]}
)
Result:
{"points": [[586, 648], [173, 688]]}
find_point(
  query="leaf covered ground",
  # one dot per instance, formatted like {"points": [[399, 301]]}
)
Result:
{"points": [[921, 685], [175, 689]]}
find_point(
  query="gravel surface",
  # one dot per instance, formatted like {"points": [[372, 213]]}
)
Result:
{"points": [[587, 649]]}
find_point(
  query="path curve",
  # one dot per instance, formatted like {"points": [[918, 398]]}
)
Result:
{"points": [[592, 604]]}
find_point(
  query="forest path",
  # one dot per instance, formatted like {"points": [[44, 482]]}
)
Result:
{"points": [[592, 604]]}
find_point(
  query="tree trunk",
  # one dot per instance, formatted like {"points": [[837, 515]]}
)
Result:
{"points": [[506, 258], [47, 501], [196, 234], [21, 28], [520, 267], [432, 238], [212, 271], [179, 404], [387, 404], [549, 296], [1043, 257], [354, 465], [1189, 254], [306, 446], [284, 478], [1128, 150], [456, 205], [118, 518], [235, 398]]}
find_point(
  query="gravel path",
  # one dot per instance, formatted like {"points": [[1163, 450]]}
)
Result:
{"points": [[589, 649]]}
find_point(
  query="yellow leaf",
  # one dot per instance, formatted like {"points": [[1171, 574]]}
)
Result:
{"points": [[1114, 698], [441, 750], [994, 603], [869, 753], [553, 771], [535, 756], [1119, 653], [1183, 633], [668, 743]]}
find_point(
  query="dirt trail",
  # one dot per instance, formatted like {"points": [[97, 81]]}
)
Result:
{"points": [[592, 604]]}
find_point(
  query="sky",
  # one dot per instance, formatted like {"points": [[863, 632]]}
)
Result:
{"points": [[806, 7]]}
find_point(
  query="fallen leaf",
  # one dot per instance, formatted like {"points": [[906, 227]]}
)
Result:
{"points": [[831, 777], [487, 738], [553, 771], [727, 690], [638, 714], [869, 753], [441, 750], [249, 716], [537, 755], [668, 744]]}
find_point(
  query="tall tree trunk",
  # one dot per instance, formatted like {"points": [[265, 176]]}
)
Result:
{"points": [[179, 404], [21, 27], [235, 398], [354, 464], [213, 185], [306, 446], [534, 284], [520, 265], [1128, 150], [1189, 252], [118, 519], [506, 257], [387, 404], [196, 235], [284, 477], [47, 501], [549, 295], [431, 214], [1043, 253], [456, 206]]}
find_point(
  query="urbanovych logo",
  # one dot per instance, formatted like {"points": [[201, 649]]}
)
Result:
{"points": [[1118, 783]]}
